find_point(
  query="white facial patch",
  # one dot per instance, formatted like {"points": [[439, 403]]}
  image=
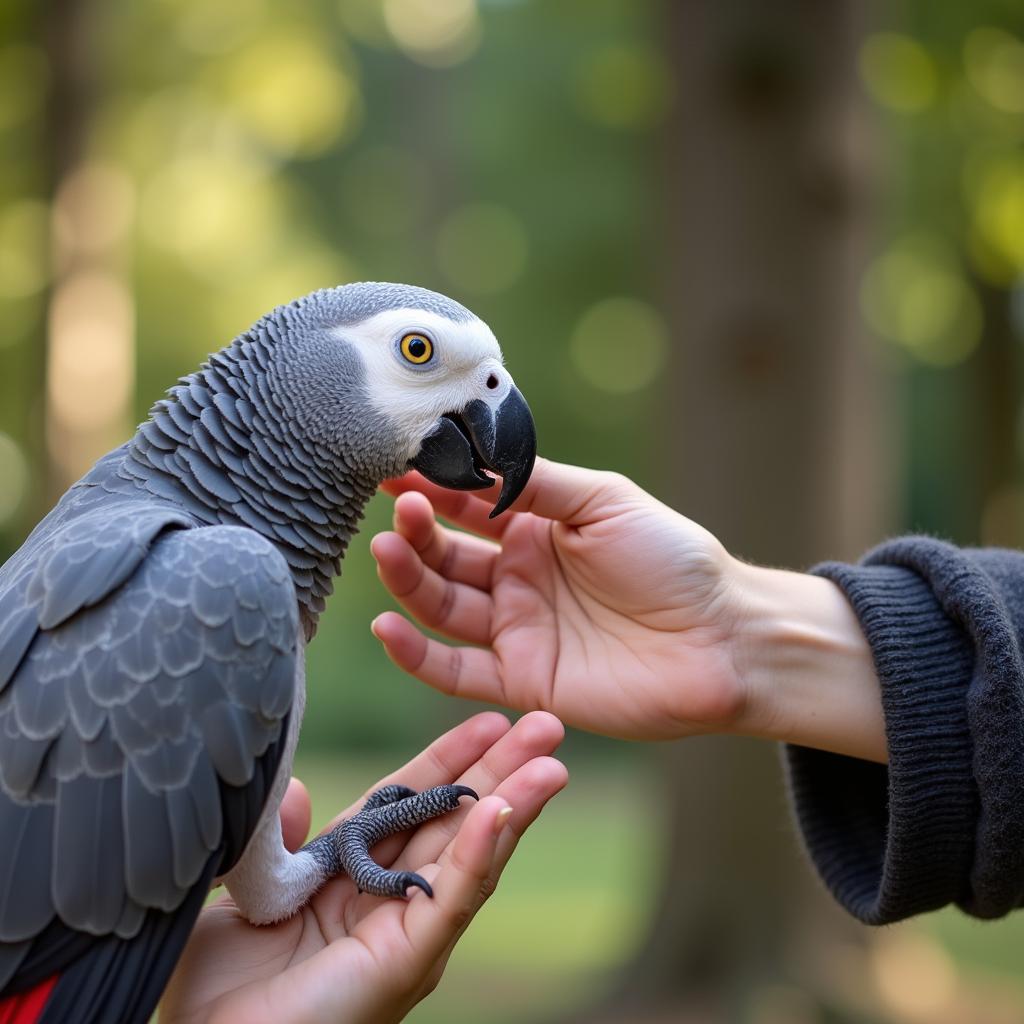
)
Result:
{"points": [[466, 357]]}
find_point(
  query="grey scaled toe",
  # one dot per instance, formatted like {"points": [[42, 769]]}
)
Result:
{"points": [[387, 795], [387, 811]]}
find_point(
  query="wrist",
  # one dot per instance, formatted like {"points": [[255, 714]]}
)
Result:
{"points": [[805, 665]]}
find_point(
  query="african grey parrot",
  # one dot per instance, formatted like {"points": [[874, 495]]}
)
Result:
{"points": [[153, 626]]}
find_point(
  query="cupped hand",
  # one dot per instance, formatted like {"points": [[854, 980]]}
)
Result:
{"points": [[589, 598], [353, 958]]}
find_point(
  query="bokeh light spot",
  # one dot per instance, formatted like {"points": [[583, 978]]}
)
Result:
{"points": [[91, 359], [14, 474], [24, 236], [624, 86], [291, 94], [364, 20], [482, 248], [619, 345], [898, 72], [93, 209], [216, 28], [996, 188], [995, 68], [915, 977], [149, 133], [90, 369], [436, 33], [916, 295], [219, 213]]}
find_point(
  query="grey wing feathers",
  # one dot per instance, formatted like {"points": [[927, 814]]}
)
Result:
{"points": [[78, 555], [92, 556], [127, 713]]}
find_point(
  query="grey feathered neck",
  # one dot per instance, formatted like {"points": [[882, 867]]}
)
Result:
{"points": [[262, 435]]}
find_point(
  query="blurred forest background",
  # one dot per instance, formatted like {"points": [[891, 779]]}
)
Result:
{"points": [[765, 258]]}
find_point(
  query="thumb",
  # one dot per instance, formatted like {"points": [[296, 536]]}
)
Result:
{"points": [[296, 815], [567, 494], [573, 495]]}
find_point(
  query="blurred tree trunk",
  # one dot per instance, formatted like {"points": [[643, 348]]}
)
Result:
{"points": [[66, 27], [996, 396], [90, 348], [772, 436]]}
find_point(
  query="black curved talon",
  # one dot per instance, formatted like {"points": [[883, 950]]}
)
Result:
{"points": [[410, 879], [384, 814]]}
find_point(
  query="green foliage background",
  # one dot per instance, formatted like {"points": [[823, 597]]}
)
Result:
{"points": [[511, 153], [271, 149]]}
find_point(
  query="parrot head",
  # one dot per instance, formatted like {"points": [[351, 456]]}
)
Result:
{"points": [[428, 376]]}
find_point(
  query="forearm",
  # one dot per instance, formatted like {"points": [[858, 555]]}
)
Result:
{"points": [[941, 824], [806, 665]]}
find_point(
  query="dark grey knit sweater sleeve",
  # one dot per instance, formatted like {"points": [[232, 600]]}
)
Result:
{"points": [[944, 821]]}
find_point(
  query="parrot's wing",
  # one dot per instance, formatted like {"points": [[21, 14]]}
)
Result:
{"points": [[139, 736], [78, 555]]}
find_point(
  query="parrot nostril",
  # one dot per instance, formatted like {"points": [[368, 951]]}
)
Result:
{"points": [[492, 382]]}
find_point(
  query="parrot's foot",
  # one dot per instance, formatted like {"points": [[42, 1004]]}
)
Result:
{"points": [[388, 810], [387, 795]]}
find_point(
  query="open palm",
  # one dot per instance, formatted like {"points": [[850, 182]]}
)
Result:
{"points": [[355, 958], [583, 600]]}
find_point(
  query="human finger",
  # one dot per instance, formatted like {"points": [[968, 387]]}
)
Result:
{"points": [[535, 735], [528, 791], [460, 885], [545, 777], [527, 787], [296, 814], [568, 494], [455, 554], [472, 672], [455, 609], [531, 787], [462, 508], [445, 759]]}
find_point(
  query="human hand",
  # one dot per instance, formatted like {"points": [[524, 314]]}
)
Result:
{"points": [[353, 958], [589, 597], [594, 600]]}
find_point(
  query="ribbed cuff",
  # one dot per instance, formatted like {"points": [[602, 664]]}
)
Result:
{"points": [[982, 591], [897, 840]]}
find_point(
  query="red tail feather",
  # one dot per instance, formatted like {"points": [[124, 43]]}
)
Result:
{"points": [[26, 1007]]}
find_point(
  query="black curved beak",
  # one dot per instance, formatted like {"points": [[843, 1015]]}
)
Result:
{"points": [[503, 440]]}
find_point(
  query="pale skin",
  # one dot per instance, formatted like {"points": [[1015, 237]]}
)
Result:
{"points": [[593, 600], [589, 599], [351, 958]]}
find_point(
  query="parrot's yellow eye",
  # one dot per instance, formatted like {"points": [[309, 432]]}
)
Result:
{"points": [[417, 348]]}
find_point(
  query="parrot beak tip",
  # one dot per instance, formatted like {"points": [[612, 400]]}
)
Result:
{"points": [[478, 438]]}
